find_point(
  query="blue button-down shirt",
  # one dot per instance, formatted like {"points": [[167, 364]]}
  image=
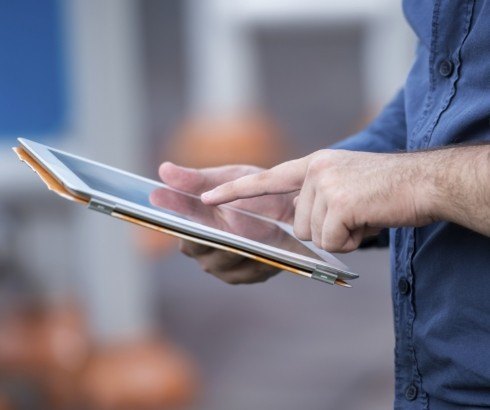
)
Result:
{"points": [[440, 272]]}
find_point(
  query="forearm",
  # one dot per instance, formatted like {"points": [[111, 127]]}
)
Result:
{"points": [[456, 183]]}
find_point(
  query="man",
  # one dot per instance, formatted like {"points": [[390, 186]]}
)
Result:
{"points": [[435, 201]]}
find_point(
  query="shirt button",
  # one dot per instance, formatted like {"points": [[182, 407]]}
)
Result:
{"points": [[403, 286], [446, 68], [411, 392]]}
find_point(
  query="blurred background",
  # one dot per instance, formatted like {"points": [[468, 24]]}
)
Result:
{"points": [[97, 314]]}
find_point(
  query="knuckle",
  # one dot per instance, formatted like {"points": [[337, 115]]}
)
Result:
{"points": [[348, 248], [261, 176], [354, 243], [340, 200], [325, 185], [208, 265], [330, 246], [329, 242], [231, 186], [301, 233], [205, 266], [233, 280], [317, 242], [320, 160], [315, 166]]}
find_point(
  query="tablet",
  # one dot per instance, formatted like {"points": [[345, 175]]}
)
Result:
{"points": [[154, 204]]}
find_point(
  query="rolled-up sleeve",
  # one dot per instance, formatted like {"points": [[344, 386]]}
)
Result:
{"points": [[387, 133]]}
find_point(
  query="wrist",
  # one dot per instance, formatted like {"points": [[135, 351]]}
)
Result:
{"points": [[442, 184], [429, 192]]}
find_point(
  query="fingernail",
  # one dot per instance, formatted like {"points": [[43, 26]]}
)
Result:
{"points": [[166, 163]]}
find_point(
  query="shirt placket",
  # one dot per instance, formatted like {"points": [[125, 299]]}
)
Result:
{"points": [[409, 393], [444, 72]]}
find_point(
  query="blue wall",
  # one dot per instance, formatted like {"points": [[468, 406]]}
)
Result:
{"points": [[33, 92]]}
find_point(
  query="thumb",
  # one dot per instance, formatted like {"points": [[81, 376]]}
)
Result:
{"points": [[181, 178], [197, 181], [338, 236]]}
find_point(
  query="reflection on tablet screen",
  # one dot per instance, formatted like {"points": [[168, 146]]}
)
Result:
{"points": [[155, 196]]}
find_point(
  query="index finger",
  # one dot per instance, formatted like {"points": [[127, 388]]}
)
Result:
{"points": [[283, 178]]}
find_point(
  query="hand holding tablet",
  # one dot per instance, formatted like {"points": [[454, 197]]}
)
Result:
{"points": [[227, 266]]}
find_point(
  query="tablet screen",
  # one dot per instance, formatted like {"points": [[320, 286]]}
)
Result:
{"points": [[166, 200]]}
